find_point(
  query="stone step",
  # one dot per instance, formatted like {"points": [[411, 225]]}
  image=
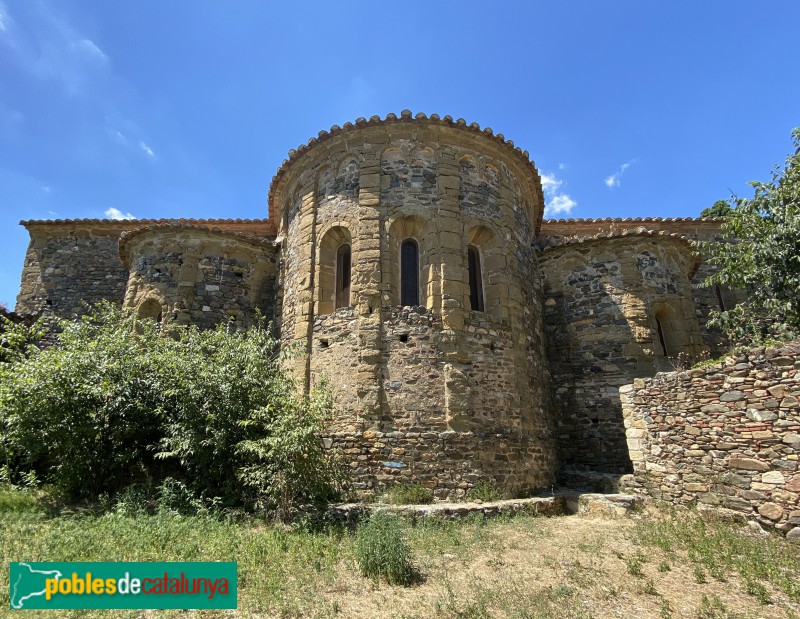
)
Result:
{"points": [[562, 503]]}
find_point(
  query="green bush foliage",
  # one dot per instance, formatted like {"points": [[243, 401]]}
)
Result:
{"points": [[763, 258], [119, 401], [382, 551]]}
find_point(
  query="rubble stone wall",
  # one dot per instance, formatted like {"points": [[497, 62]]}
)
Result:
{"points": [[64, 273], [602, 301], [726, 435], [191, 275]]}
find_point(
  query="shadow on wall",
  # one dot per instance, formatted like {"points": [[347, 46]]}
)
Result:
{"points": [[612, 314], [588, 366]]}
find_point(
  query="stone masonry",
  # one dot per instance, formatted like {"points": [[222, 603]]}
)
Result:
{"points": [[725, 435], [506, 364]]}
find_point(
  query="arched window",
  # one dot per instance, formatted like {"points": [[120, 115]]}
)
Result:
{"points": [[409, 273], [343, 276], [475, 279], [671, 332], [333, 270]]}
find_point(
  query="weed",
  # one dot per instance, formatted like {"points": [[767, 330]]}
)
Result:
{"points": [[382, 552], [664, 567], [634, 564], [650, 587], [757, 590], [700, 575], [409, 494], [664, 609], [713, 608], [486, 491]]}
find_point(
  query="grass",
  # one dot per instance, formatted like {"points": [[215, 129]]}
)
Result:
{"points": [[723, 551], [486, 491], [382, 551], [511, 567], [409, 494]]}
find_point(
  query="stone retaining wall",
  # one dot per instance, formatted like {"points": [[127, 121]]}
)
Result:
{"points": [[726, 435]]}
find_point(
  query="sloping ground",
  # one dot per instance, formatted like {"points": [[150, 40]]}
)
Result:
{"points": [[573, 566], [598, 565]]}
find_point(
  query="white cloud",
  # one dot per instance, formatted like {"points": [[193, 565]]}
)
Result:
{"points": [[562, 166], [148, 151], [561, 204], [550, 183], [46, 188], [89, 49], [556, 203], [3, 18], [114, 213], [44, 44], [614, 180]]}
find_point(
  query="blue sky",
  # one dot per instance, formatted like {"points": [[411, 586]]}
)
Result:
{"points": [[186, 108]]}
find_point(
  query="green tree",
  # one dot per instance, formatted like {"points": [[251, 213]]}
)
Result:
{"points": [[719, 210], [119, 401], [763, 257]]}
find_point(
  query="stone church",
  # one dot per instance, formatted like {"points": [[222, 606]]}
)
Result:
{"points": [[466, 338]]}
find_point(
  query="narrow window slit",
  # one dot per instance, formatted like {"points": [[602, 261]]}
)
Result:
{"points": [[475, 279], [343, 276], [409, 273], [661, 338]]}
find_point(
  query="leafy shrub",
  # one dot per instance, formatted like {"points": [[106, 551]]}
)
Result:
{"points": [[382, 552], [120, 401], [287, 464], [17, 339], [763, 258], [486, 491], [410, 494]]}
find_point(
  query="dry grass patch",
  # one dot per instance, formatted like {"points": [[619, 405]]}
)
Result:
{"points": [[510, 568]]}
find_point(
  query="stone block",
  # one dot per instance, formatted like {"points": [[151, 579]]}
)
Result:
{"points": [[773, 511], [772, 477], [749, 464]]}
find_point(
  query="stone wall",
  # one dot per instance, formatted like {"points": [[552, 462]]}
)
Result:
{"points": [[447, 425], [726, 435], [72, 263], [62, 274], [194, 275], [447, 394], [602, 299]]}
